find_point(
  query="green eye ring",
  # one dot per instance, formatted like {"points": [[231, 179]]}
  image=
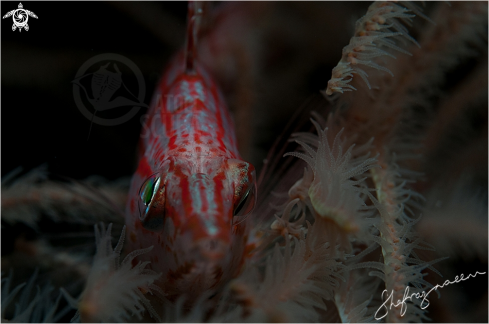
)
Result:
{"points": [[147, 192]]}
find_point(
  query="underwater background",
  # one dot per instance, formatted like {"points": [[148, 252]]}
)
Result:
{"points": [[287, 52]]}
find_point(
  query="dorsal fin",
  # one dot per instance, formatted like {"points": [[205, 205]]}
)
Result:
{"points": [[194, 17]]}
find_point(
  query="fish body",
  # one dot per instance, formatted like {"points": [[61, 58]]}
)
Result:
{"points": [[191, 190]]}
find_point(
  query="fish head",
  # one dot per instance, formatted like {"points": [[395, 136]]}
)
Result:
{"points": [[206, 202]]}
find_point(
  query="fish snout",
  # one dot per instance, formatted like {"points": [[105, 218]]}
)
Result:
{"points": [[213, 248]]}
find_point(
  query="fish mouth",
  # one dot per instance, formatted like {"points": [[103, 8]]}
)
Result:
{"points": [[212, 248]]}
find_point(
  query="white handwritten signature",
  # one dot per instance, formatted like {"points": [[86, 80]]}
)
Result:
{"points": [[418, 295]]}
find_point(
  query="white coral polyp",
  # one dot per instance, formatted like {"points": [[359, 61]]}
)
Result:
{"points": [[335, 193], [341, 77], [335, 204], [114, 292]]}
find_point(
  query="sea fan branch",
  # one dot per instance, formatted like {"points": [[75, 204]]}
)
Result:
{"points": [[373, 31]]}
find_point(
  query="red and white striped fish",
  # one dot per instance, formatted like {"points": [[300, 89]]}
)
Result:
{"points": [[191, 191]]}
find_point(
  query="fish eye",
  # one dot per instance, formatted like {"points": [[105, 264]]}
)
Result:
{"points": [[245, 206], [146, 194]]}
